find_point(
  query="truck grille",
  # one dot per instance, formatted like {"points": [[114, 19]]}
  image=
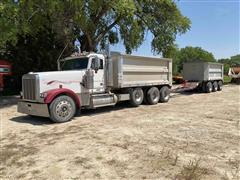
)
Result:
{"points": [[29, 87]]}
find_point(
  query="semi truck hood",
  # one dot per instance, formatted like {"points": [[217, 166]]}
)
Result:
{"points": [[65, 79]]}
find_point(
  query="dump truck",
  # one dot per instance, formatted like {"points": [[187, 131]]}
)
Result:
{"points": [[209, 75], [92, 80]]}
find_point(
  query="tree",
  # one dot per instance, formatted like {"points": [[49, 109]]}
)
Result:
{"points": [[93, 21], [33, 33], [8, 23], [233, 61], [189, 54]]}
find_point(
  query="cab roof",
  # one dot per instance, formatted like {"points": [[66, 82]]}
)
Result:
{"points": [[81, 55]]}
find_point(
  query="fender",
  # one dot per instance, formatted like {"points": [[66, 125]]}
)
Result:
{"points": [[52, 94]]}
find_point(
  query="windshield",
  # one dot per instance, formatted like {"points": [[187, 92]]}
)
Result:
{"points": [[75, 64]]}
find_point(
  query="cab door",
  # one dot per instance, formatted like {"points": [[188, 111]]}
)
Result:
{"points": [[98, 78]]}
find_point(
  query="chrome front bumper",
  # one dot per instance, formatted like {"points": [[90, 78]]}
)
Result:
{"points": [[35, 109]]}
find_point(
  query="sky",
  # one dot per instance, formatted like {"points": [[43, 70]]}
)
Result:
{"points": [[215, 27]]}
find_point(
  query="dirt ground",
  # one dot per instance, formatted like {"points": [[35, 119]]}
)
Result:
{"points": [[193, 136]]}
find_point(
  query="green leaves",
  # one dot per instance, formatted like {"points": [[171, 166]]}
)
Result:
{"points": [[92, 21], [189, 54], [233, 61], [8, 23]]}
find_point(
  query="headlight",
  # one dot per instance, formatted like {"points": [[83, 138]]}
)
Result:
{"points": [[43, 95]]}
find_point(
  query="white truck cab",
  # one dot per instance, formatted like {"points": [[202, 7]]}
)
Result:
{"points": [[94, 80], [92, 61]]}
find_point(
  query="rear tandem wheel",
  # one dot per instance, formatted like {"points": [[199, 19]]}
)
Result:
{"points": [[136, 96]]}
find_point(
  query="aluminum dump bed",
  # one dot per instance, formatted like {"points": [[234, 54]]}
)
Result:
{"points": [[202, 71], [134, 71]]}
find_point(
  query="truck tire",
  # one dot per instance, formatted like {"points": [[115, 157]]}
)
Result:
{"points": [[62, 109], [136, 96], [215, 86], [153, 96], [220, 85], [208, 87], [164, 94]]}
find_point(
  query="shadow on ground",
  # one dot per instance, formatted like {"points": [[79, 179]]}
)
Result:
{"points": [[184, 92], [103, 110], [34, 120], [7, 101]]}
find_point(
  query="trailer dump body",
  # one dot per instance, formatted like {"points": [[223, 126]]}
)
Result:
{"points": [[134, 71], [202, 71]]}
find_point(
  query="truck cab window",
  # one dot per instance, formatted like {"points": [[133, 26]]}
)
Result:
{"points": [[75, 64], [101, 63]]}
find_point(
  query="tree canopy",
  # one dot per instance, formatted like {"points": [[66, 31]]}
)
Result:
{"points": [[93, 21], [33, 33], [228, 62], [189, 54]]}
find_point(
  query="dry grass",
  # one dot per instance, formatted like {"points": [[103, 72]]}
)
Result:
{"points": [[13, 154], [148, 142], [235, 166], [84, 162], [193, 171]]}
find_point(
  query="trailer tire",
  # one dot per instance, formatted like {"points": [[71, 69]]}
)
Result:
{"points": [[208, 87], [164, 94], [215, 86], [136, 96], [62, 109], [220, 85], [153, 96]]}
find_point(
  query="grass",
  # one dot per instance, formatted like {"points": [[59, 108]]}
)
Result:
{"points": [[193, 171], [227, 79]]}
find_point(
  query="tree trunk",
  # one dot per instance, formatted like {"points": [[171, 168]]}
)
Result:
{"points": [[86, 44]]}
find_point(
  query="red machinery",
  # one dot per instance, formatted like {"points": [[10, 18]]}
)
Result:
{"points": [[5, 70]]}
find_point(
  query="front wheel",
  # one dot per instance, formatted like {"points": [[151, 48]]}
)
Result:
{"points": [[62, 109]]}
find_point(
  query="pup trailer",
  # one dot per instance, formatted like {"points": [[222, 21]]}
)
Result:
{"points": [[88, 81], [208, 75]]}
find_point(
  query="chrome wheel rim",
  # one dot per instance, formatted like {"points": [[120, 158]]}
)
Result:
{"points": [[63, 109], [155, 96], [138, 96], [166, 96]]}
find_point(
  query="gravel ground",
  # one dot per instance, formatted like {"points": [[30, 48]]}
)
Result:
{"points": [[193, 136]]}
